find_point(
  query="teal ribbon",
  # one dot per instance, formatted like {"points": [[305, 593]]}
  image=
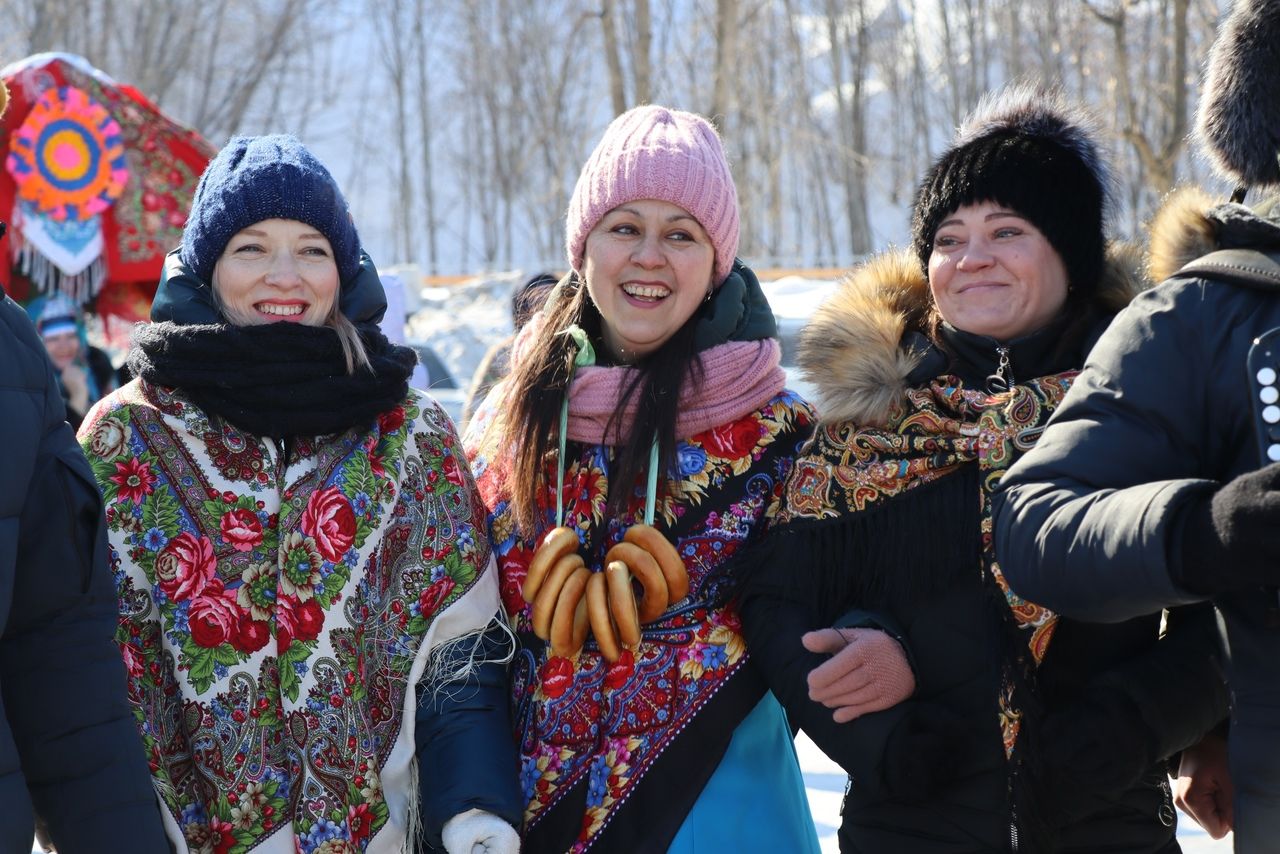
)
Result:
{"points": [[585, 357]]}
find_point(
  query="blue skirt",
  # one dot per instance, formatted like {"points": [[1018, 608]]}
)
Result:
{"points": [[755, 800]]}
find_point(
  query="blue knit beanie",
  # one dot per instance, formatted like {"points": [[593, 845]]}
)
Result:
{"points": [[266, 177]]}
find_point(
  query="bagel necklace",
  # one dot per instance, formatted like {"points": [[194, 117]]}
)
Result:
{"points": [[568, 598]]}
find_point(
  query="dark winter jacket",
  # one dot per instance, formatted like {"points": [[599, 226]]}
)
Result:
{"points": [[67, 745], [1161, 412], [931, 774]]}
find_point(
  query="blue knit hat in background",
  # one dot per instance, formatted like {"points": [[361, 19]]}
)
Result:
{"points": [[266, 177]]}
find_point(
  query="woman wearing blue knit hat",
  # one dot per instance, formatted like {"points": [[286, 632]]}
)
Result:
{"points": [[307, 598]]}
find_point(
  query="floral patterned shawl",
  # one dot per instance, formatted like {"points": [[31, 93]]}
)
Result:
{"points": [[615, 753], [278, 604]]}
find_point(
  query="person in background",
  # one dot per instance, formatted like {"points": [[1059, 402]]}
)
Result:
{"points": [[1012, 729], [641, 437], [68, 749], [526, 301], [84, 372], [309, 611], [1150, 486]]}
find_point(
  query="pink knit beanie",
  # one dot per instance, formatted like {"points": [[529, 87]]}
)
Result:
{"points": [[652, 152]]}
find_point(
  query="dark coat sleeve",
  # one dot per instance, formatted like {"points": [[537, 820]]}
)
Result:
{"points": [[1180, 684], [463, 736], [775, 614], [1083, 519], [61, 673]]}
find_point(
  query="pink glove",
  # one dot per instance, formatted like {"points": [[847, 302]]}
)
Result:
{"points": [[867, 672]]}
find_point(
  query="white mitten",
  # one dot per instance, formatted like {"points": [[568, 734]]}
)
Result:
{"points": [[479, 832]]}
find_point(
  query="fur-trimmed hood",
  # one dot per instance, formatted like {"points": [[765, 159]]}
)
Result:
{"points": [[1191, 223], [853, 349]]}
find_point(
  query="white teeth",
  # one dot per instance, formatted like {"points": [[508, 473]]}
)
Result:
{"points": [[646, 291], [280, 310]]}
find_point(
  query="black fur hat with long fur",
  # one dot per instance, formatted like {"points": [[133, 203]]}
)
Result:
{"points": [[1238, 122], [1037, 153]]}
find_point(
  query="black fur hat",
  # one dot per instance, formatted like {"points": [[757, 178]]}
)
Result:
{"points": [[1238, 122], [1037, 153]]}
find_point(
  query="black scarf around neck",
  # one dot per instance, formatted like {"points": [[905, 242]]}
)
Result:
{"points": [[276, 380]]}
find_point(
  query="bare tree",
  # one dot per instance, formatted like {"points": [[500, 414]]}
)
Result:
{"points": [[829, 109], [848, 40], [640, 57], [726, 55], [206, 63], [1157, 143], [617, 82], [422, 50], [390, 25]]}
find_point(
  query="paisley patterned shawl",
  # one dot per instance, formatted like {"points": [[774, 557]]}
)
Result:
{"points": [[613, 753], [938, 429], [275, 615]]}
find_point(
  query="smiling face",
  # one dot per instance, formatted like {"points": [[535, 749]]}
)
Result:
{"points": [[276, 271], [994, 273], [647, 265]]}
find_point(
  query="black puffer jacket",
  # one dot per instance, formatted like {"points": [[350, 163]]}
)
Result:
{"points": [[1086, 519], [1114, 697], [67, 743]]}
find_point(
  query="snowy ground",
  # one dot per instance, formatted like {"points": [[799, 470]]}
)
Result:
{"points": [[825, 784]]}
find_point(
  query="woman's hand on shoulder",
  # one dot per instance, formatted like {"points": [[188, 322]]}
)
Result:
{"points": [[868, 671]]}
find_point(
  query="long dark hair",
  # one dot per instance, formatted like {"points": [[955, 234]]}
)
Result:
{"points": [[526, 429]]}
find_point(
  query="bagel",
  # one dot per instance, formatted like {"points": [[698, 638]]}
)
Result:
{"points": [[544, 605], [581, 626], [556, 544], [622, 603], [664, 552], [598, 614], [654, 599], [569, 621]]}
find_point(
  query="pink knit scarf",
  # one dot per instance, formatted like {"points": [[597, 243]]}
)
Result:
{"points": [[738, 378]]}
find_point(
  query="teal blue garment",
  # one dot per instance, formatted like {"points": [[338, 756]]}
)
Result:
{"points": [[755, 800]]}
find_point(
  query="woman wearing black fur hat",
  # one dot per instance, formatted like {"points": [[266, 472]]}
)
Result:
{"points": [[309, 609], [1151, 486], [936, 370]]}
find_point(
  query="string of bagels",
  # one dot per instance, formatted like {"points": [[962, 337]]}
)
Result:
{"points": [[569, 600]]}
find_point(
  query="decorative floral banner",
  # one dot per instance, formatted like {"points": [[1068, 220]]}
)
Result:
{"points": [[90, 162], [67, 158]]}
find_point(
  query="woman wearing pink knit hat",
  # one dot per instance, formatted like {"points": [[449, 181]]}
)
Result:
{"points": [[638, 445]]}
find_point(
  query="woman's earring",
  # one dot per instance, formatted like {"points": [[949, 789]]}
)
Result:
{"points": [[710, 293]]}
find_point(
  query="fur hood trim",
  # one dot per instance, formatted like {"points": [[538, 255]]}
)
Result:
{"points": [[1181, 232], [852, 349]]}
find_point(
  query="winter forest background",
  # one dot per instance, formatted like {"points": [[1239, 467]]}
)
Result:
{"points": [[457, 127]]}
